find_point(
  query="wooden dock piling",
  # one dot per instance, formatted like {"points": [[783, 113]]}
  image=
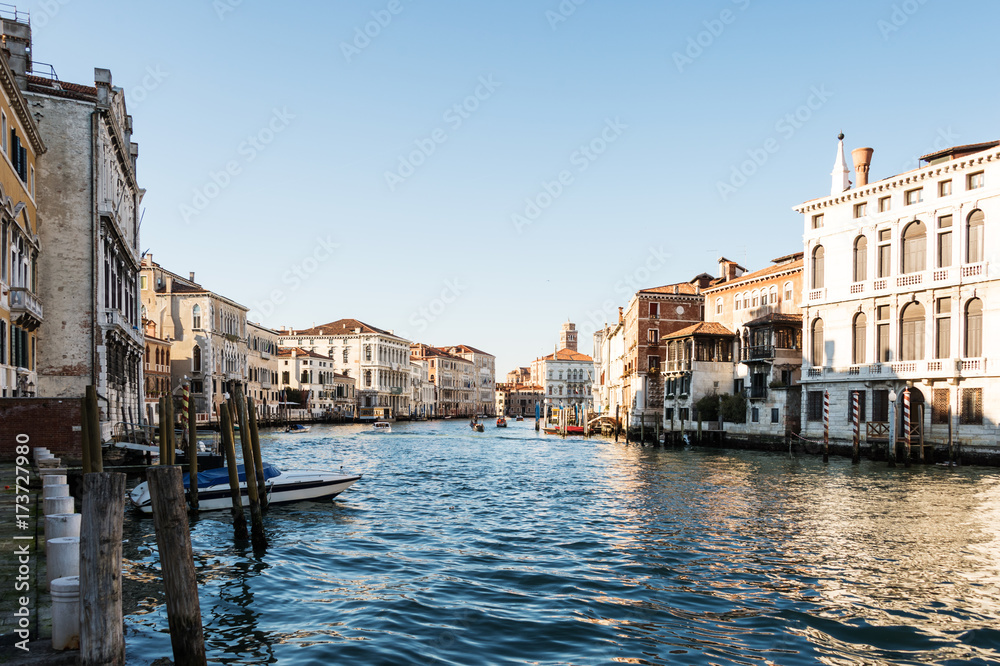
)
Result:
{"points": [[192, 450], [255, 446], [228, 444], [173, 538], [102, 640], [250, 470]]}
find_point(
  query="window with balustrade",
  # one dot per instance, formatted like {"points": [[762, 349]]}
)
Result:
{"points": [[942, 328]]}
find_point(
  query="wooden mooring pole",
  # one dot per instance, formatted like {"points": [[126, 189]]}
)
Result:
{"points": [[229, 446], [102, 640], [192, 448], [826, 426], [255, 446], [618, 425], [171, 433], [250, 471], [164, 443], [173, 538]]}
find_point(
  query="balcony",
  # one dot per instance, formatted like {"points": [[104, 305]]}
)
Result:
{"points": [[758, 353], [25, 309], [678, 366], [908, 370], [114, 319], [265, 355], [817, 294], [755, 393]]}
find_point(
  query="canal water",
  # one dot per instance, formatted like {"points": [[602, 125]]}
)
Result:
{"points": [[509, 547]]}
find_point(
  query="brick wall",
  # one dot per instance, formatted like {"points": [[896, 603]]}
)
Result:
{"points": [[48, 422]]}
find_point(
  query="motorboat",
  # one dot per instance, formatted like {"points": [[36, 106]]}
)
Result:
{"points": [[298, 427], [570, 430], [280, 486], [519, 418], [501, 422], [381, 426]]}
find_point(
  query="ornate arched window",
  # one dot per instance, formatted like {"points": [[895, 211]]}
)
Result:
{"points": [[858, 355], [818, 267], [196, 359], [974, 237], [860, 259], [914, 247], [816, 358], [196, 316], [974, 328], [911, 334]]}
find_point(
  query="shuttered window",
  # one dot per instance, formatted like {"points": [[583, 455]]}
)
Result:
{"points": [[939, 406], [972, 406]]}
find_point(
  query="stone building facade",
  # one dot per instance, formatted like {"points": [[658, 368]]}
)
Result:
{"points": [[88, 273], [901, 289], [208, 334], [378, 360], [21, 308]]}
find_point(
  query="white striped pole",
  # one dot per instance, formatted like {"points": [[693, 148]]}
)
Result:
{"points": [[826, 426], [856, 417], [906, 424]]}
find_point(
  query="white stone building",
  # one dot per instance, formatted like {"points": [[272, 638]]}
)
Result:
{"points": [[901, 283], [485, 377], [377, 359], [262, 369], [566, 377]]}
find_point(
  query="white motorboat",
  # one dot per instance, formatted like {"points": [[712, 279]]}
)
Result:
{"points": [[298, 427], [381, 426], [281, 487]]}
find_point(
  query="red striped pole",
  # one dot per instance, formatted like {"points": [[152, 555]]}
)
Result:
{"points": [[826, 426], [906, 424], [856, 417]]}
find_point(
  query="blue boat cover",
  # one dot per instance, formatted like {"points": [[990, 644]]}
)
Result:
{"points": [[220, 475]]}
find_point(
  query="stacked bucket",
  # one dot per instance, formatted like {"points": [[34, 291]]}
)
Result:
{"points": [[62, 550]]}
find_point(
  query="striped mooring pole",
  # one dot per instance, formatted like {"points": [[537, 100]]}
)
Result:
{"points": [[906, 425], [185, 399], [826, 426], [856, 419]]}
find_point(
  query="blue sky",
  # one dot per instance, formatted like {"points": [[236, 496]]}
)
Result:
{"points": [[479, 173]]}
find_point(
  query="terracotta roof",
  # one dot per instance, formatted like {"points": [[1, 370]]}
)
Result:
{"points": [[61, 88], [776, 318], [339, 327], [701, 328], [300, 352], [682, 288], [756, 275], [967, 149], [471, 350], [567, 355], [426, 351]]}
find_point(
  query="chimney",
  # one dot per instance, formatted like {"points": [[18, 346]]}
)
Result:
{"points": [[17, 44], [621, 317], [676, 289], [191, 276], [862, 158]]}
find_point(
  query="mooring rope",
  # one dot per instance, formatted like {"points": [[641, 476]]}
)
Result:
{"points": [[797, 436]]}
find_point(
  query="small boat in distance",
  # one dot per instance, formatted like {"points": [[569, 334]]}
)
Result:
{"points": [[381, 426], [476, 425], [281, 487], [501, 422], [297, 427], [519, 418]]}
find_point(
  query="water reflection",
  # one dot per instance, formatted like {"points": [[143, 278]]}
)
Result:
{"points": [[514, 547]]}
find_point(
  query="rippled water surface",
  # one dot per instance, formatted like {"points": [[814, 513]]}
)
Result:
{"points": [[509, 547]]}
